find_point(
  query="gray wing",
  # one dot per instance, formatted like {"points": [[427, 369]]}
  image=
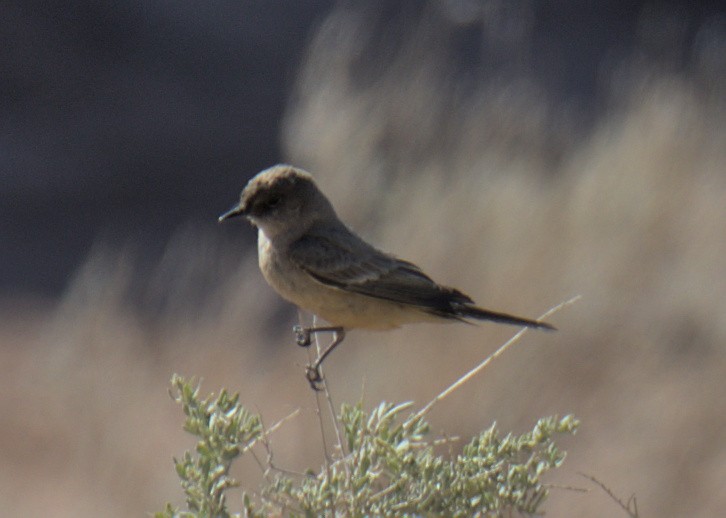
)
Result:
{"points": [[339, 258]]}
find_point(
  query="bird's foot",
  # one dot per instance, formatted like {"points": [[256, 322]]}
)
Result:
{"points": [[312, 373], [302, 336]]}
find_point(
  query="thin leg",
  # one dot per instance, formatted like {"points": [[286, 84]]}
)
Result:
{"points": [[303, 335], [313, 371]]}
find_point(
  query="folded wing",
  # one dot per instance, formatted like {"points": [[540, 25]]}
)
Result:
{"points": [[343, 260], [338, 258]]}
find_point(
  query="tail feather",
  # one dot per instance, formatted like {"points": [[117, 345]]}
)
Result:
{"points": [[469, 311]]}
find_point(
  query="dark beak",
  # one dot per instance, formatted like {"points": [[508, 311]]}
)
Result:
{"points": [[232, 213]]}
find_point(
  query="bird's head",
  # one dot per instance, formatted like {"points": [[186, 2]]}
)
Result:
{"points": [[281, 199]]}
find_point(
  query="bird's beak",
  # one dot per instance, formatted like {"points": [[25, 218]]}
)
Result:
{"points": [[235, 211]]}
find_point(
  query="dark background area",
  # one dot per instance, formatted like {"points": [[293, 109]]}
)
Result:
{"points": [[120, 122]]}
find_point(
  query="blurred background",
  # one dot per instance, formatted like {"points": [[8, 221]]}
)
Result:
{"points": [[559, 148]]}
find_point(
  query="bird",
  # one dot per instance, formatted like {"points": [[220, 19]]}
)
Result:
{"points": [[312, 259]]}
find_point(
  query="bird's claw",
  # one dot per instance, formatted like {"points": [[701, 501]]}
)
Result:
{"points": [[312, 373], [302, 336]]}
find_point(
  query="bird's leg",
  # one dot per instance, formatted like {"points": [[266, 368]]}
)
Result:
{"points": [[313, 371], [303, 335]]}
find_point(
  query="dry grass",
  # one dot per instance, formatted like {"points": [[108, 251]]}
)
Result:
{"points": [[630, 215]]}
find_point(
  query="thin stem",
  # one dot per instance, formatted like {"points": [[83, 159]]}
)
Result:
{"points": [[328, 460], [476, 370]]}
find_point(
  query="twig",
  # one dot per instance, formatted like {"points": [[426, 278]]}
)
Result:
{"points": [[319, 409], [473, 372], [272, 429], [264, 439], [328, 397], [633, 513], [331, 407]]}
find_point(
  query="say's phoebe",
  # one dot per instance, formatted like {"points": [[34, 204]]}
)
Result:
{"points": [[313, 260]]}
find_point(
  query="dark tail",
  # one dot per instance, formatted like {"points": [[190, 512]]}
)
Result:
{"points": [[467, 311]]}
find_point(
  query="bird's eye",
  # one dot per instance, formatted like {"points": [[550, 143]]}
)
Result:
{"points": [[272, 202]]}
